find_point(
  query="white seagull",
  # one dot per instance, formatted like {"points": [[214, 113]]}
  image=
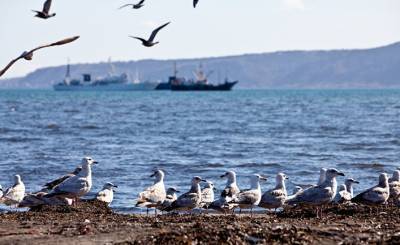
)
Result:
{"points": [[190, 199], [247, 199], [154, 195], [15, 194], [319, 195], [345, 191], [276, 197], [376, 195], [230, 191], [107, 193], [78, 185], [207, 195]]}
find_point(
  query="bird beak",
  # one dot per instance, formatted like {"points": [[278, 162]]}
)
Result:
{"points": [[116, 186], [356, 182], [263, 178], [95, 162], [214, 189], [286, 177], [222, 176], [341, 174], [152, 175], [204, 180], [177, 191]]}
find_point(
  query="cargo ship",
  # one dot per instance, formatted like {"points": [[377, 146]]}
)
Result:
{"points": [[111, 82], [200, 83]]}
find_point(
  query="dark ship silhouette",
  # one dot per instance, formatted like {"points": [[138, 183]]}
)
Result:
{"points": [[176, 83]]}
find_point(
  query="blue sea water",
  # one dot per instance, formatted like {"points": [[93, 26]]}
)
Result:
{"points": [[44, 134]]}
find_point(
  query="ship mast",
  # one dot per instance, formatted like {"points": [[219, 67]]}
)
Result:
{"points": [[67, 78]]}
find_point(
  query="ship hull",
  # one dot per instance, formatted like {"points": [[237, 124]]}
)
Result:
{"points": [[106, 87], [227, 86]]}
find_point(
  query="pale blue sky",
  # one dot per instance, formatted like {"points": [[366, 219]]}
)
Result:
{"points": [[214, 28]]}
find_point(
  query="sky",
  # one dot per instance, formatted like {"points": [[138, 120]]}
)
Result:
{"points": [[214, 28]]}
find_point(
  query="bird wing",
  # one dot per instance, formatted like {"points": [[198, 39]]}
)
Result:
{"points": [[195, 2], [141, 2], [154, 33], [54, 183], [46, 6], [187, 199], [71, 185], [8, 66], [126, 5], [246, 197], [278, 193], [316, 194]]}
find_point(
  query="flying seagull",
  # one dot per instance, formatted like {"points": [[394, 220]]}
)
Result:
{"points": [[134, 6], [195, 2], [44, 14], [150, 42], [28, 55]]}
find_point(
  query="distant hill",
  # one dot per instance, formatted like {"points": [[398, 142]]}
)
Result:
{"points": [[367, 68]]}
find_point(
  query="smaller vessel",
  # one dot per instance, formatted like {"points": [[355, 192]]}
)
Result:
{"points": [[200, 83], [111, 82]]}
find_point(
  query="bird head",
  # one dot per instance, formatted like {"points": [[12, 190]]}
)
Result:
{"points": [[281, 177], [158, 174], [197, 180], [109, 186], [351, 181], [17, 179], [172, 190], [86, 161], [333, 172], [383, 179]]}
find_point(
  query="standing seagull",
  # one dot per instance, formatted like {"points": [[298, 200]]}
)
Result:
{"points": [[154, 195], [394, 185], [44, 14], [319, 195], [78, 185], [107, 193], [195, 2], [230, 191], [150, 42], [190, 199], [207, 195], [27, 55], [345, 191], [169, 199], [15, 194], [250, 197], [134, 6], [376, 195], [276, 197]]}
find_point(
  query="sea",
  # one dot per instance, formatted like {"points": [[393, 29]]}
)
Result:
{"points": [[44, 134]]}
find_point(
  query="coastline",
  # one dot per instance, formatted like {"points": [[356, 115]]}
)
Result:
{"points": [[94, 223]]}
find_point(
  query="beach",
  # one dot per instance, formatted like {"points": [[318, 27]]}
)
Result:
{"points": [[94, 223]]}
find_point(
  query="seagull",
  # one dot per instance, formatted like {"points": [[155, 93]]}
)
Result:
{"points": [[349, 185], [107, 193], [169, 199], [394, 185], [50, 185], [15, 194], [134, 6], [190, 199], [342, 195], [275, 198], [1, 191], [154, 195], [32, 200], [195, 2], [319, 195], [150, 42], [231, 190], [44, 14], [322, 176], [376, 195], [28, 55], [207, 195], [78, 185], [250, 197]]}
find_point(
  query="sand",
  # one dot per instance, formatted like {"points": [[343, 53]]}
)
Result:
{"points": [[94, 223]]}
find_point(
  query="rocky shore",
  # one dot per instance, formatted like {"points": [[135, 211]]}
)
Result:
{"points": [[94, 223]]}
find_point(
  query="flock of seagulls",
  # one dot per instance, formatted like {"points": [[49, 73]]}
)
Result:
{"points": [[68, 189], [45, 14]]}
